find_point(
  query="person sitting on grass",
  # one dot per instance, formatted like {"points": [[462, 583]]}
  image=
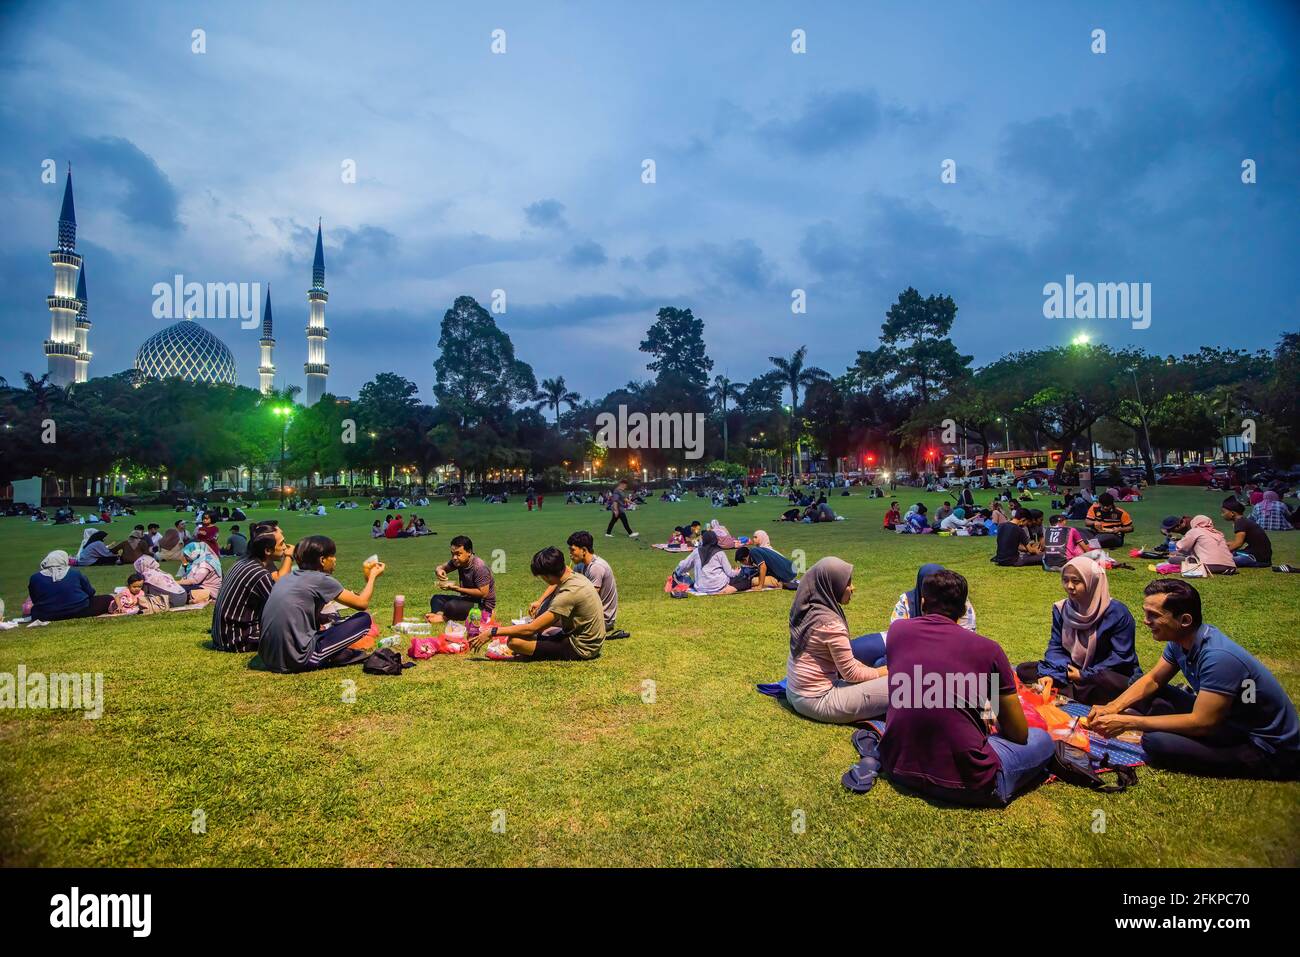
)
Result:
{"points": [[870, 649], [707, 568], [1272, 514], [916, 521], [296, 633], [597, 571], [955, 522], [201, 568], [209, 533], [1206, 544], [133, 546], [824, 681], [173, 540], [772, 569], [570, 625], [892, 517], [1062, 542], [237, 615], [59, 592], [93, 551], [131, 599], [1108, 521], [1250, 546], [944, 511], [947, 752], [1237, 721], [475, 586], [1091, 655], [1014, 548], [377, 530], [236, 544], [158, 584]]}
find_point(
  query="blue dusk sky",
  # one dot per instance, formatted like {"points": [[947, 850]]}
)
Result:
{"points": [[775, 171]]}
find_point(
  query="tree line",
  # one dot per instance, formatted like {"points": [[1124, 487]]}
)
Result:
{"points": [[490, 413]]}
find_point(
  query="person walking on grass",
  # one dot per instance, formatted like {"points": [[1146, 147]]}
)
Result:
{"points": [[618, 510]]}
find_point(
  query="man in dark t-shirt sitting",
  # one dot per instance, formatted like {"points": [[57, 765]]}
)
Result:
{"points": [[1250, 537], [1014, 546], [475, 586], [942, 679]]}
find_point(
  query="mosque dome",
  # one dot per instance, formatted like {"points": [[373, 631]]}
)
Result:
{"points": [[185, 350]]}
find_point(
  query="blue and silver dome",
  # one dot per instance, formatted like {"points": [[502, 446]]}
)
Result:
{"points": [[185, 350]]}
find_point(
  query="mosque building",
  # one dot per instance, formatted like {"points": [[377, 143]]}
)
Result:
{"points": [[185, 349]]}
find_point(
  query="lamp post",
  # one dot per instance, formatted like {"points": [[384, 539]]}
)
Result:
{"points": [[286, 413]]}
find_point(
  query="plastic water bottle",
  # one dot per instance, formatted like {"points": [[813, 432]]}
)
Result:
{"points": [[388, 641], [399, 609]]}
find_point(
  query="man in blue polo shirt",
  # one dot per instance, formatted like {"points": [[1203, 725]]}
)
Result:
{"points": [[1238, 720]]}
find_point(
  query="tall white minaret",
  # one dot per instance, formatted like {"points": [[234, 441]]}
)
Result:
{"points": [[83, 327], [316, 367], [266, 371], [62, 347]]}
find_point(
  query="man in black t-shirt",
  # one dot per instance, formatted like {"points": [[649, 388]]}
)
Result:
{"points": [[1250, 537], [1014, 547]]}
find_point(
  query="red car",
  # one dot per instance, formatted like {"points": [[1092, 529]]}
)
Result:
{"points": [[1188, 475]]}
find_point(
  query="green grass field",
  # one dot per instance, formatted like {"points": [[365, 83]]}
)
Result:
{"points": [[587, 772]]}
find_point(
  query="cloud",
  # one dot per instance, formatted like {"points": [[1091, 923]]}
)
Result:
{"points": [[740, 263], [145, 194], [586, 255], [546, 214], [830, 122]]}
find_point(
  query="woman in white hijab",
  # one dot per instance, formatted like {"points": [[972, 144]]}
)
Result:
{"points": [[59, 592]]}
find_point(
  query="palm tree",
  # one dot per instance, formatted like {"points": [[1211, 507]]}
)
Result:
{"points": [[722, 390], [797, 376], [553, 393]]}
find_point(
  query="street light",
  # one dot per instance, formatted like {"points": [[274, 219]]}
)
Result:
{"points": [[286, 413]]}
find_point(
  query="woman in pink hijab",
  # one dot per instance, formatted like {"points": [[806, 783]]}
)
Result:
{"points": [[761, 540], [1091, 655], [1207, 545]]}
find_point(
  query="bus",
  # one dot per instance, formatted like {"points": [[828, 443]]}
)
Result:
{"points": [[1019, 461]]}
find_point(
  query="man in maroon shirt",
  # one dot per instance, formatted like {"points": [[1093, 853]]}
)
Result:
{"points": [[941, 679]]}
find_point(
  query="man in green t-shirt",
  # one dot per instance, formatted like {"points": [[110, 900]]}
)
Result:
{"points": [[569, 627]]}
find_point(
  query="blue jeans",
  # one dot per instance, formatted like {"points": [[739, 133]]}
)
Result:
{"points": [[1023, 765], [869, 649]]}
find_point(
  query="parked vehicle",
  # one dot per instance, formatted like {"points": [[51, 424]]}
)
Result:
{"points": [[1188, 475]]}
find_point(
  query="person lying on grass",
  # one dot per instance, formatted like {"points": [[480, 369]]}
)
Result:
{"points": [[297, 635], [1237, 720], [939, 745], [570, 625], [824, 681], [1091, 655], [771, 568], [476, 585]]}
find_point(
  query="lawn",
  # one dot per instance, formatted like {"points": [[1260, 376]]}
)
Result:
{"points": [[658, 753]]}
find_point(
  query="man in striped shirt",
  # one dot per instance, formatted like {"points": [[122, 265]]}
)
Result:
{"points": [[237, 617]]}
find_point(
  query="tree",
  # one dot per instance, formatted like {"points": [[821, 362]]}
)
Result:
{"points": [[722, 390], [795, 376], [555, 392], [915, 353], [681, 364]]}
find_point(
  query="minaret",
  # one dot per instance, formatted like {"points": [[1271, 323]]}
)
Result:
{"points": [[83, 327], [266, 371], [316, 367], [62, 348]]}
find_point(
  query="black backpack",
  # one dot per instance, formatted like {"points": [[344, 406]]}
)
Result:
{"points": [[386, 661], [1074, 766]]}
